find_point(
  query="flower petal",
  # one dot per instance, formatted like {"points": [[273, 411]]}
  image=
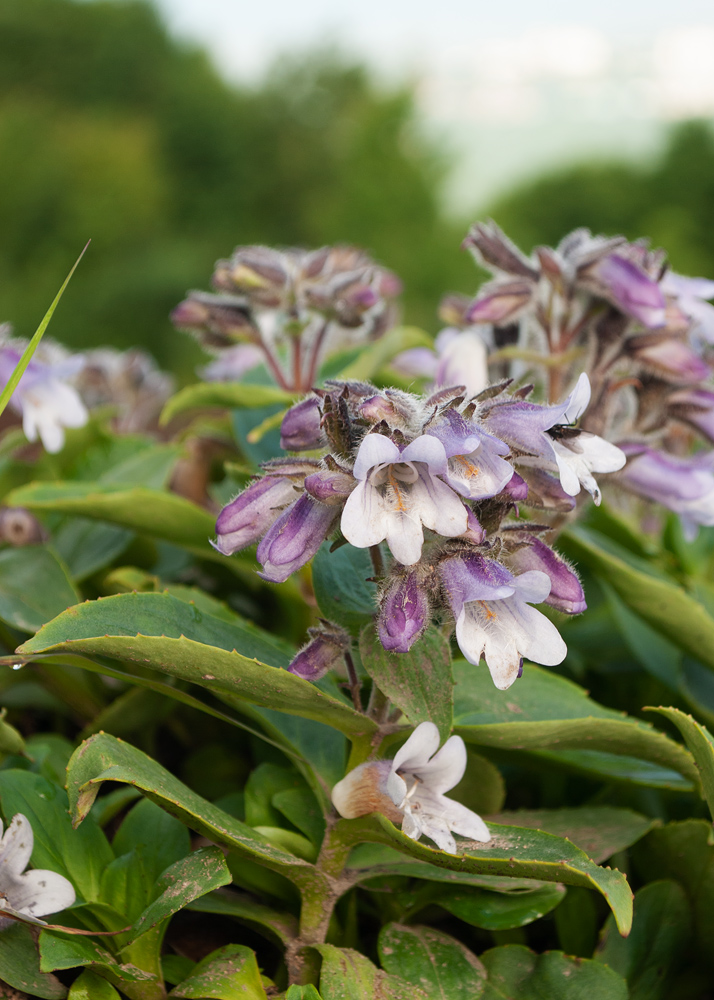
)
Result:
{"points": [[365, 517], [39, 892], [376, 449], [438, 507], [16, 847], [446, 768]]}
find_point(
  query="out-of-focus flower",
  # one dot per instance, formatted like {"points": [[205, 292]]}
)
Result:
{"points": [[494, 618], [127, 380], [398, 492], [411, 788], [694, 406], [691, 295], [19, 527], [45, 399], [459, 358], [33, 893]]}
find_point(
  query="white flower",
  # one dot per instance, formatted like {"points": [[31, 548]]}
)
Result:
{"points": [[411, 788], [397, 493], [34, 893]]}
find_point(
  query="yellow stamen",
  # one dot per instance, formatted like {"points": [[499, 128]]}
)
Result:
{"points": [[490, 615]]}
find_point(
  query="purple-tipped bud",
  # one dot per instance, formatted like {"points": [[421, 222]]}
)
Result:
{"points": [[516, 488], [630, 289], [300, 429], [295, 538], [566, 592], [404, 613], [246, 518], [325, 649], [673, 359], [330, 487], [500, 302]]}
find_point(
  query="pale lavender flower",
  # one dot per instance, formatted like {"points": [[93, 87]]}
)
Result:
{"points": [[692, 295], [684, 485], [294, 538], [398, 492], [494, 618], [45, 399], [459, 357], [566, 591], [411, 789], [32, 893], [233, 363], [669, 356], [476, 468], [629, 288], [694, 406]]}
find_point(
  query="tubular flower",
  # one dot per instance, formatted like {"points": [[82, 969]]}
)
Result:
{"points": [[684, 485], [34, 893], [398, 492], [494, 618], [411, 789]]}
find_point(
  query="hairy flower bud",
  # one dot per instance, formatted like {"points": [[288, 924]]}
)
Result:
{"points": [[330, 486], [246, 518], [325, 649], [566, 592], [301, 429], [294, 538], [404, 612]]}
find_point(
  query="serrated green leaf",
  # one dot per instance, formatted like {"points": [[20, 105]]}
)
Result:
{"points": [[516, 973], [177, 639], [431, 961], [34, 587], [348, 975], [230, 973], [660, 933], [545, 712], [515, 852], [700, 742], [664, 605], [20, 965], [79, 855], [229, 395], [418, 682]]}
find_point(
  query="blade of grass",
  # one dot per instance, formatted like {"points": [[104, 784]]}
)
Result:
{"points": [[24, 361]]}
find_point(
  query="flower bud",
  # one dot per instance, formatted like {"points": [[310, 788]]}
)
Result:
{"points": [[301, 429], [673, 359], [326, 647], [501, 302], [566, 592], [404, 613], [330, 487], [294, 538], [246, 518], [364, 791], [627, 286]]}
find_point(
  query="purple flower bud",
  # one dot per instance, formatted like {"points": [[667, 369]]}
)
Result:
{"points": [[325, 649], [500, 302], [545, 491], [246, 518], [295, 538], [300, 429], [566, 592], [673, 359], [630, 289], [403, 614], [516, 488], [330, 487]]}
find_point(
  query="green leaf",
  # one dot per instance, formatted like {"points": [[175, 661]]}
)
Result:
{"points": [[432, 961], [348, 975], [343, 589], [230, 973], [482, 788], [545, 712], [62, 951], [418, 682], [302, 993], [516, 973], [661, 931], [20, 965], [665, 606], [153, 512], [79, 855], [11, 741], [380, 352], [245, 909], [34, 587], [700, 742], [24, 361], [104, 758], [177, 639], [87, 546], [160, 838], [228, 395], [514, 852], [497, 911], [599, 831], [186, 880], [90, 986]]}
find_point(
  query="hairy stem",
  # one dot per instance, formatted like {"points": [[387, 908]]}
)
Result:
{"points": [[377, 561]]}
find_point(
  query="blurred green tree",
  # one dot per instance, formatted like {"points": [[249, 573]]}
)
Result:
{"points": [[111, 129], [670, 200]]}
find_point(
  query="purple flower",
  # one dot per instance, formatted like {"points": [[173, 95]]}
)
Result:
{"points": [[398, 492], [692, 295], [672, 358], [246, 518], [325, 649], [494, 619], [330, 486], [683, 485], [630, 289], [294, 538], [43, 397], [475, 467], [301, 429], [232, 364], [566, 592], [403, 613]]}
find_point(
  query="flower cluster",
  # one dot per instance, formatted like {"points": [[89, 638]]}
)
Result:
{"points": [[645, 336], [288, 309], [437, 478]]}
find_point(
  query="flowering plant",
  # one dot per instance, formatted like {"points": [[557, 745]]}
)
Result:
{"points": [[372, 737]]}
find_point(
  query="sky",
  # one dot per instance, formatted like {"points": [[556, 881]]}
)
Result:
{"points": [[511, 88]]}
